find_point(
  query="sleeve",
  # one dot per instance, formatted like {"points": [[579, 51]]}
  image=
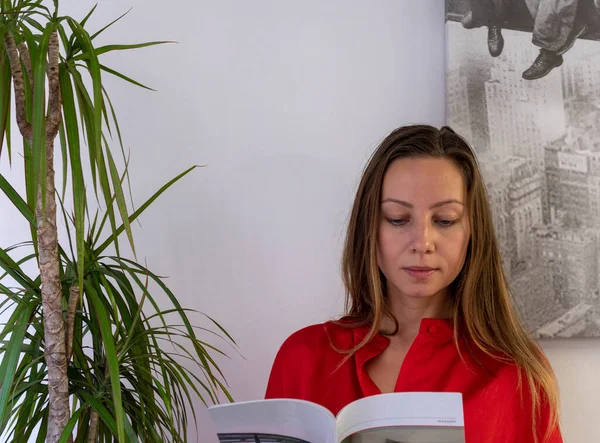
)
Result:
{"points": [[295, 365], [543, 424], [276, 385], [545, 431]]}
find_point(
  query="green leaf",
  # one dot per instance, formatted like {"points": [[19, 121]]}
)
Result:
{"points": [[17, 200], [107, 418], [19, 262], [70, 425], [85, 105], [41, 437], [120, 198], [7, 136], [124, 77], [125, 157], [107, 194], [111, 357], [93, 118], [97, 162], [89, 14], [34, 23], [33, 47], [15, 271], [96, 232], [39, 116], [96, 34], [72, 45], [78, 189], [35, 7], [64, 155], [94, 67], [30, 390], [103, 413], [68, 222], [66, 46], [205, 358], [30, 186], [131, 327], [18, 324], [5, 95], [110, 48], [142, 208]]}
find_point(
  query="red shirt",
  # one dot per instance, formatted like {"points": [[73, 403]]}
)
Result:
{"points": [[494, 411]]}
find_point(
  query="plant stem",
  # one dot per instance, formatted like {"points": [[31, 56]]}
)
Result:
{"points": [[17, 74], [47, 238], [73, 302], [24, 54], [54, 324], [93, 426], [53, 114]]}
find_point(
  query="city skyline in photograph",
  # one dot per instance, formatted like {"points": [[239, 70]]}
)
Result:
{"points": [[538, 144]]}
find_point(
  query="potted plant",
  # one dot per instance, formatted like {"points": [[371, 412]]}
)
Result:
{"points": [[87, 354]]}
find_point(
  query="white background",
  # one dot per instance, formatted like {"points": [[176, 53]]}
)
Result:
{"points": [[283, 101]]}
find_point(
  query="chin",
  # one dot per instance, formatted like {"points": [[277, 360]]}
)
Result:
{"points": [[420, 294], [420, 291]]}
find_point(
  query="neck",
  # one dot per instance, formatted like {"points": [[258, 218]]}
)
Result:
{"points": [[409, 311]]}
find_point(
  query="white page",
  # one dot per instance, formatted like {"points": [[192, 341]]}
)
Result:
{"points": [[296, 419], [409, 434], [437, 414]]}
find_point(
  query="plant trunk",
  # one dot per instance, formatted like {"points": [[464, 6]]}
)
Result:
{"points": [[17, 75], [71, 310], [93, 426], [54, 323], [55, 351]]}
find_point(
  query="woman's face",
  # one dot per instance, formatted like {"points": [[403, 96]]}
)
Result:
{"points": [[424, 226]]}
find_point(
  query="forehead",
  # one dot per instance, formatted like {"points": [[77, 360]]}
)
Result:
{"points": [[423, 178]]}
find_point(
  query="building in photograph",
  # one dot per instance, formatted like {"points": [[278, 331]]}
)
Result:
{"points": [[539, 151]]}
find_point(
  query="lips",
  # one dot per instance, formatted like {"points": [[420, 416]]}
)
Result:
{"points": [[420, 272]]}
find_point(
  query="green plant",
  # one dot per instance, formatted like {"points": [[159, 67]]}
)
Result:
{"points": [[87, 353]]}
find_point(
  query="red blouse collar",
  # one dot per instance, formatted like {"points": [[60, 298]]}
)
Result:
{"points": [[429, 329], [434, 328]]}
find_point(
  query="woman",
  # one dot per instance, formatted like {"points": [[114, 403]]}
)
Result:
{"points": [[428, 307]]}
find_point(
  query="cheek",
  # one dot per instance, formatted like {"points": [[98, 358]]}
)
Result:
{"points": [[385, 245], [458, 249], [390, 247]]}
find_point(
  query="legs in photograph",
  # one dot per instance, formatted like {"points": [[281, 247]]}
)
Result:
{"points": [[555, 31], [557, 25], [488, 13], [495, 40]]}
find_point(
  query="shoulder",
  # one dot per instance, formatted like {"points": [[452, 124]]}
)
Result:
{"points": [[302, 358], [314, 339], [308, 334]]}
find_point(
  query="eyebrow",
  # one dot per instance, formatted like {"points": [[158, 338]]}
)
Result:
{"points": [[435, 205]]}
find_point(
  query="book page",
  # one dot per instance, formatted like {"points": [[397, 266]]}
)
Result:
{"points": [[273, 421], [403, 417]]}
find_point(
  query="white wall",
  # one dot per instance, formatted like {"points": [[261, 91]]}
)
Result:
{"points": [[282, 101]]}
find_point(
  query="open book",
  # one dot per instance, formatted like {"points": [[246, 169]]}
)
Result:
{"points": [[402, 417]]}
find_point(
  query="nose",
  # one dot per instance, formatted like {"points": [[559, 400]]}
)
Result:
{"points": [[422, 238]]}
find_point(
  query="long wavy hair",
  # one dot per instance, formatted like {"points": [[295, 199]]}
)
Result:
{"points": [[483, 308]]}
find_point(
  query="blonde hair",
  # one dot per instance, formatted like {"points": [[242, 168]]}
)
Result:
{"points": [[483, 308]]}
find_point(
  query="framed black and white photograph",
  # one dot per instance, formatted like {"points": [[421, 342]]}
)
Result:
{"points": [[523, 86]]}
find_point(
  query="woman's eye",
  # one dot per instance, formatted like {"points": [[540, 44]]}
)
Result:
{"points": [[446, 223], [396, 221]]}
